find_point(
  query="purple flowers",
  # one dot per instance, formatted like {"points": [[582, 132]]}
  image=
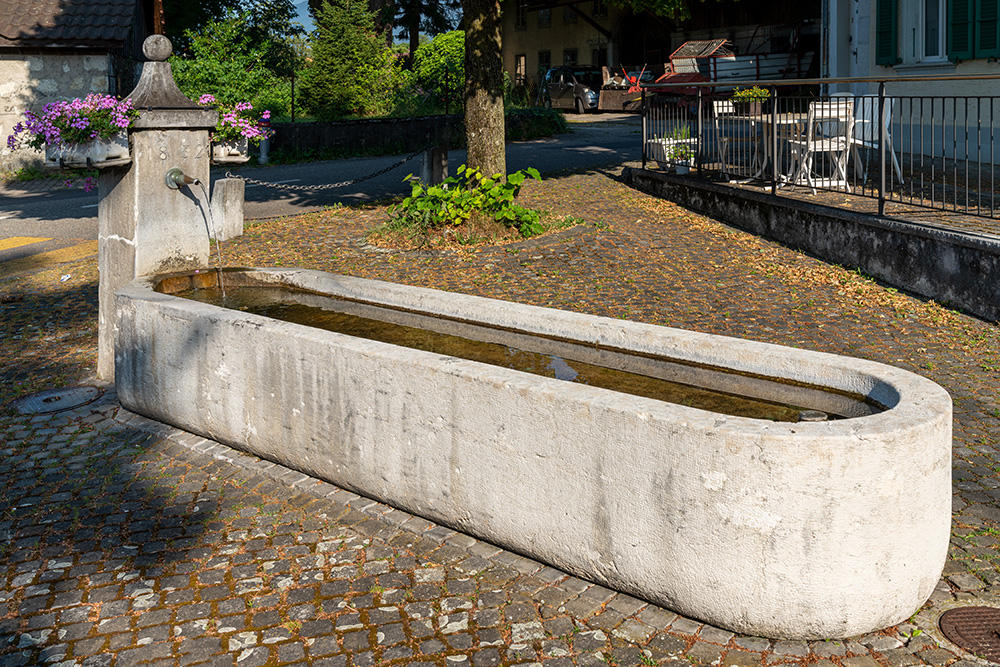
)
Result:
{"points": [[236, 122], [89, 183], [73, 122]]}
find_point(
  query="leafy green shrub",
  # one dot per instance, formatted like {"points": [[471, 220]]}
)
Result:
{"points": [[455, 200], [439, 69], [224, 60], [518, 95], [533, 123]]}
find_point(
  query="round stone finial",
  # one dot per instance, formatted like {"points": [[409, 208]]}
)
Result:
{"points": [[157, 48]]}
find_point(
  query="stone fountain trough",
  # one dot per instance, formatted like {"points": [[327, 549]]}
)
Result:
{"points": [[787, 530]]}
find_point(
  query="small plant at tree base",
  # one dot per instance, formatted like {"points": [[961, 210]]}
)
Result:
{"points": [[755, 94], [237, 122], [456, 199]]}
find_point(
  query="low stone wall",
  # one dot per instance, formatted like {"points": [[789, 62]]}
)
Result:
{"points": [[392, 135], [791, 530], [960, 270]]}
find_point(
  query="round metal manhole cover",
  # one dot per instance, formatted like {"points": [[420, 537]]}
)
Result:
{"points": [[57, 400], [974, 629]]}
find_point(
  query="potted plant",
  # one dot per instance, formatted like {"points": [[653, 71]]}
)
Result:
{"points": [[750, 101], [679, 134], [658, 148], [236, 130], [681, 156], [92, 132]]}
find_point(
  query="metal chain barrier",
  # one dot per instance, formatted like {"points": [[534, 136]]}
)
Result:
{"points": [[331, 186]]}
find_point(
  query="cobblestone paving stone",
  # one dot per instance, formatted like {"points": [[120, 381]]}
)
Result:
{"points": [[128, 542]]}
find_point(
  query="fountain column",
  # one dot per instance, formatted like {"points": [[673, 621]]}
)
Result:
{"points": [[147, 226]]}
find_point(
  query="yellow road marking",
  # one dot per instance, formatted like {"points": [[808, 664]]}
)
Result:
{"points": [[18, 241], [47, 259]]}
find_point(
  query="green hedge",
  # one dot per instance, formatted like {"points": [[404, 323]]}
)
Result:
{"points": [[534, 123], [320, 141]]}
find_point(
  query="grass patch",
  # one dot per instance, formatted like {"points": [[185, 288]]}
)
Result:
{"points": [[35, 173]]}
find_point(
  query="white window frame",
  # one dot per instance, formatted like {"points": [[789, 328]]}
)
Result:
{"points": [[913, 45]]}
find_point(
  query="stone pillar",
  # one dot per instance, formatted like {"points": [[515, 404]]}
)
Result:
{"points": [[435, 165], [146, 227], [227, 207]]}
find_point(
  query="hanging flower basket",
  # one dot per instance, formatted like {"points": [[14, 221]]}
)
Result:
{"points": [[231, 151], [91, 132], [237, 128], [110, 152]]}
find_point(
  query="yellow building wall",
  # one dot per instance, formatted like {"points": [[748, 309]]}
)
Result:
{"points": [[558, 37]]}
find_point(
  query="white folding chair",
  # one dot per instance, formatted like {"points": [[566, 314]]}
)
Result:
{"points": [[828, 132], [731, 134], [866, 131]]}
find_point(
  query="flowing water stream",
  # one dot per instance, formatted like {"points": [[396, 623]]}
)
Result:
{"points": [[213, 234]]}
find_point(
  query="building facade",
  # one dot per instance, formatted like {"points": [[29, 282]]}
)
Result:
{"points": [[539, 35]]}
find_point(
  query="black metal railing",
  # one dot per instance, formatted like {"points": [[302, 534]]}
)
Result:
{"points": [[930, 151]]}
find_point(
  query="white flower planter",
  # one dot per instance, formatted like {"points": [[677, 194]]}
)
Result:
{"points": [[98, 153], [660, 151], [233, 151]]}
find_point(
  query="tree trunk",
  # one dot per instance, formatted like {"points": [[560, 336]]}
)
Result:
{"points": [[484, 121], [413, 28]]}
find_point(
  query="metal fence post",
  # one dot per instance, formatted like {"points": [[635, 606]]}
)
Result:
{"points": [[881, 148], [774, 140], [697, 155], [645, 112]]}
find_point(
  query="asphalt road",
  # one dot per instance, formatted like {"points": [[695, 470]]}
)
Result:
{"points": [[64, 216]]}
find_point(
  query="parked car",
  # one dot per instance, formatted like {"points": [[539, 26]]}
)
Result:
{"points": [[575, 88]]}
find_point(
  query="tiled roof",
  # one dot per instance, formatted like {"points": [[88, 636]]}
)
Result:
{"points": [[40, 23]]}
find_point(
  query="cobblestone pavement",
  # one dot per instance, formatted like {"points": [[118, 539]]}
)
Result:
{"points": [[128, 542]]}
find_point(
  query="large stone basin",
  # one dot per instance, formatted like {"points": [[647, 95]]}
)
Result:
{"points": [[787, 530]]}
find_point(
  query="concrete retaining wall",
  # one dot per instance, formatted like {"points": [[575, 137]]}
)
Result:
{"points": [[961, 270], [801, 530]]}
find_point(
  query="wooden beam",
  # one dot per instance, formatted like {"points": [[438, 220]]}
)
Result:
{"points": [[601, 29], [158, 17]]}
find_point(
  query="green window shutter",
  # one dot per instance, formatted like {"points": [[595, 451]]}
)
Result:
{"points": [[886, 48], [960, 35], [987, 28]]}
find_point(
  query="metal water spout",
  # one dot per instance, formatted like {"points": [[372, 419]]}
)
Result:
{"points": [[176, 179]]}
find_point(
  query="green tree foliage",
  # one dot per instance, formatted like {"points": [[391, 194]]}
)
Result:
{"points": [[671, 9], [432, 17], [225, 59], [353, 72], [181, 17], [266, 20], [439, 69]]}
